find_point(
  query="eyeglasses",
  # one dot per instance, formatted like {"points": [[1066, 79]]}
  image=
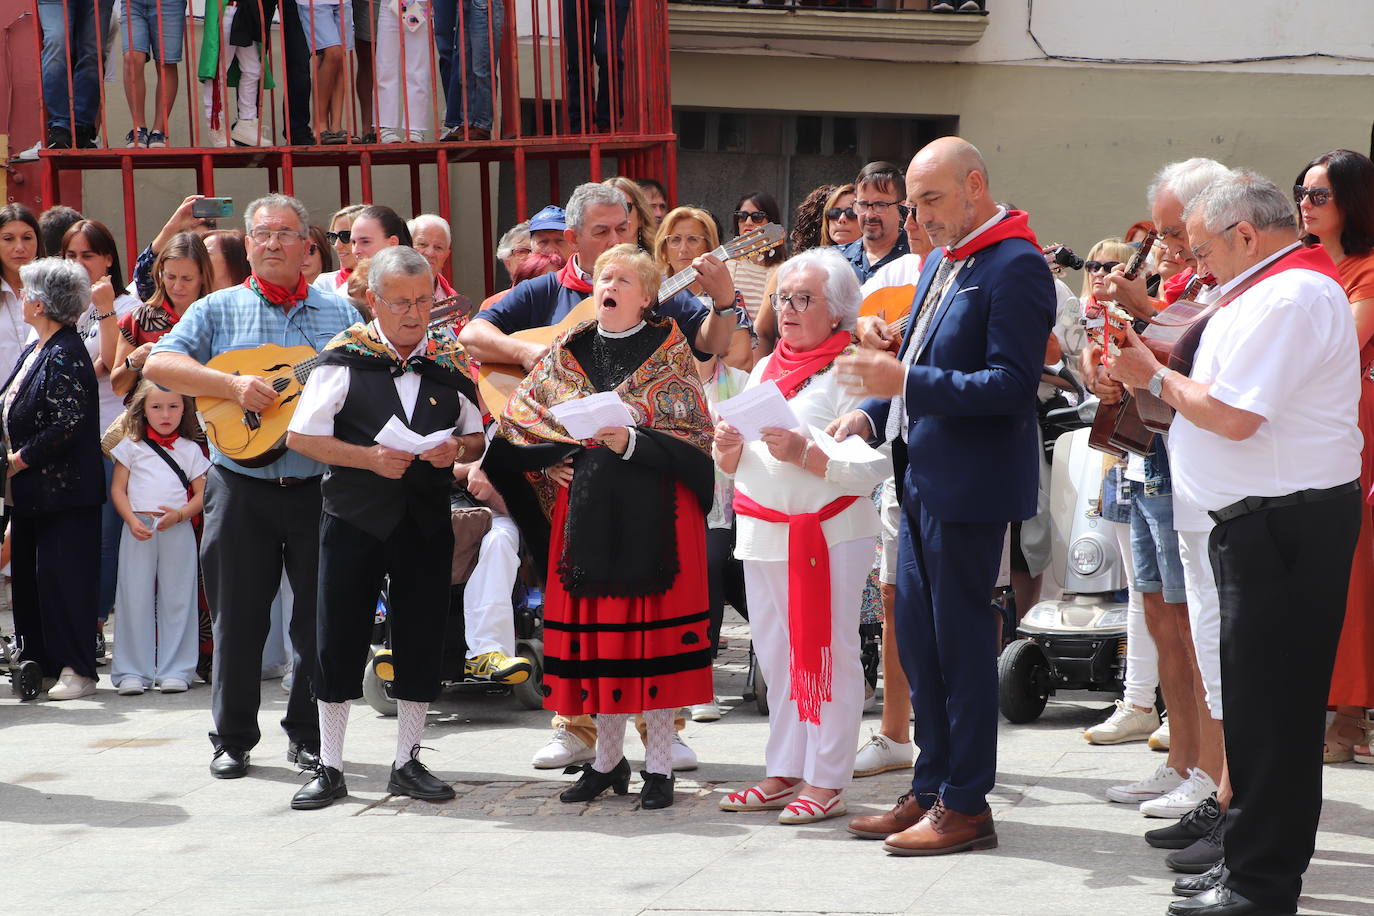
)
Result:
{"points": [[800, 302], [339, 238], [676, 241], [880, 207], [835, 213], [1202, 255], [424, 304], [751, 216], [1093, 267], [282, 237], [1320, 197]]}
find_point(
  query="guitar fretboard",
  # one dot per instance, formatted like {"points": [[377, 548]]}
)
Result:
{"points": [[684, 278]]}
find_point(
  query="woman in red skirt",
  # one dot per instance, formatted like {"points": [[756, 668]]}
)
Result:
{"points": [[626, 607]]}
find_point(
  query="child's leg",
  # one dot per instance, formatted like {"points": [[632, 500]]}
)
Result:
{"points": [[169, 26], [178, 627], [133, 652], [135, 89]]}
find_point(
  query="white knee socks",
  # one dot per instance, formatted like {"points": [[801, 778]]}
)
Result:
{"points": [[333, 724], [410, 726], [658, 741], [610, 740]]}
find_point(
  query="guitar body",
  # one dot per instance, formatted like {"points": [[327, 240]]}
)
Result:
{"points": [[892, 304], [1174, 341], [497, 381], [254, 440], [1119, 429]]}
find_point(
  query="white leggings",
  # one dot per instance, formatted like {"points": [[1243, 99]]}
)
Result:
{"points": [[1204, 612], [157, 625], [1142, 656], [250, 74]]}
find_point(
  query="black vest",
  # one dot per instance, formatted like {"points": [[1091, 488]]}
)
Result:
{"points": [[378, 504]]}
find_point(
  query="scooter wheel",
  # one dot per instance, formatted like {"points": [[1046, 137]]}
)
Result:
{"points": [[29, 680], [1023, 678], [529, 693], [376, 691]]}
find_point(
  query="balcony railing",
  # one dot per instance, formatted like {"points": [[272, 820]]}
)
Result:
{"points": [[900, 21]]}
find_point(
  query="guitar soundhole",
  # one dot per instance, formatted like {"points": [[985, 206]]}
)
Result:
{"points": [[280, 384]]}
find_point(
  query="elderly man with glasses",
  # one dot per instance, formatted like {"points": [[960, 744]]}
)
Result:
{"points": [[257, 519]]}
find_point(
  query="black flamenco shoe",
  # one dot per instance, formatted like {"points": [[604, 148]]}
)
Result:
{"points": [[593, 782], [657, 791]]}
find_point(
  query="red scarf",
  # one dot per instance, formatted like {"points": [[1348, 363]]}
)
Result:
{"points": [[1175, 285], [1314, 258], [570, 277], [164, 441], [790, 368], [341, 278], [808, 599], [278, 295], [1015, 226], [444, 287]]}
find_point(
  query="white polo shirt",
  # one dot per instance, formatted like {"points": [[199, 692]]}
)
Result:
{"points": [[152, 483], [1286, 350]]}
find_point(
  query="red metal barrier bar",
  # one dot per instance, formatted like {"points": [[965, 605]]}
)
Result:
{"points": [[538, 66], [188, 55], [288, 176], [365, 169], [594, 160], [131, 246], [445, 205], [71, 70], [205, 179], [100, 73], [511, 121]]}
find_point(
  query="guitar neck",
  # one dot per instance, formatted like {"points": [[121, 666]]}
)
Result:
{"points": [[1138, 259], [685, 278], [303, 369]]}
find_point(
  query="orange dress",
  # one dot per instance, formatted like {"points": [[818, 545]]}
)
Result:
{"points": [[1352, 682]]}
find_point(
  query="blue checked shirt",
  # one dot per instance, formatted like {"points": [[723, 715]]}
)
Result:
{"points": [[236, 319]]}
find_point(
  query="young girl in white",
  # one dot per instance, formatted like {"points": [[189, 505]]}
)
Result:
{"points": [[155, 602]]}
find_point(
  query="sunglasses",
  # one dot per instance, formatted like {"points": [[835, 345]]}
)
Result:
{"points": [[1093, 267], [339, 238], [747, 216], [835, 213], [1320, 197]]}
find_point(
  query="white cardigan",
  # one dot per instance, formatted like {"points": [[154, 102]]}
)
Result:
{"points": [[787, 488]]}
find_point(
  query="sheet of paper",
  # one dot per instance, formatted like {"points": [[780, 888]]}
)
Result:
{"points": [[584, 417], [395, 434], [757, 408], [853, 448]]}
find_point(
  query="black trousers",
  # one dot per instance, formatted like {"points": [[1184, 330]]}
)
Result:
{"points": [[1282, 575], [53, 559], [354, 565], [725, 580], [586, 25], [254, 528]]}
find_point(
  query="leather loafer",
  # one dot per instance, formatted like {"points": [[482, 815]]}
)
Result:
{"points": [[943, 831], [302, 756], [657, 791], [593, 782], [1222, 901], [903, 816], [321, 791], [1193, 885], [415, 780], [229, 763]]}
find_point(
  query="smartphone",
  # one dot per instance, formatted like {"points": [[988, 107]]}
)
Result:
{"points": [[213, 208]]}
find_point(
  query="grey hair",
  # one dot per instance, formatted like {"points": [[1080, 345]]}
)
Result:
{"points": [[277, 202], [1242, 196], [430, 221], [842, 295], [393, 260], [62, 287], [1185, 179], [514, 234], [592, 194]]}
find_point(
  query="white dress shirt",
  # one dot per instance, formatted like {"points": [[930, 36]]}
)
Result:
{"points": [[15, 333]]}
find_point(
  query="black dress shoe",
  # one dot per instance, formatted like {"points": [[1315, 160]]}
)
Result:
{"points": [[657, 791], [1222, 901], [593, 782], [302, 756], [1203, 854], [1186, 831], [229, 763], [320, 792], [1193, 885], [415, 780]]}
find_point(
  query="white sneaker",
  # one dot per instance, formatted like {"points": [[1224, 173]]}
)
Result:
{"points": [[71, 686], [881, 754], [130, 687], [173, 685], [1126, 723], [245, 133], [564, 749], [706, 712], [1159, 741], [1164, 780], [391, 135], [870, 697], [684, 758], [1187, 796]]}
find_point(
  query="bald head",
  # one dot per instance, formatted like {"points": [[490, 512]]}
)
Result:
{"points": [[947, 183]]}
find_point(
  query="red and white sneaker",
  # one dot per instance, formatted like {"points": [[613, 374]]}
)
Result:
{"points": [[755, 799], [806, 810]]}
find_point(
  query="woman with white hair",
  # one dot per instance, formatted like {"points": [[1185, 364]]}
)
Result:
{"points": [[806, 530]]}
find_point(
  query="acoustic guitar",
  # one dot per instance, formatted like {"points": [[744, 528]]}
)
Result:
{"points": [[496, 381], [1118, 428], [1173, 337], [893, 305]]}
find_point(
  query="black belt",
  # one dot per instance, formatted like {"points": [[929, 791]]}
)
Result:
{"points": [[1256, 503], [276, 481]]}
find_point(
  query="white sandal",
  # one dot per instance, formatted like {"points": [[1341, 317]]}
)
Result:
{"points": [[755, 799], [807, 810]]}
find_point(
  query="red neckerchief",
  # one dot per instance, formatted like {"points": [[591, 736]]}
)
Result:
{"points": [[444, 287], [1015, 226], [790, 368], [164, 441], [570, 278], [341, 278], [278, 295], [1314, 258], [1175, 285]]}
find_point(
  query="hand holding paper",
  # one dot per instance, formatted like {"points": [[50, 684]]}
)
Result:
{"points": [[584, 417], [757, 408], [395, 434]]}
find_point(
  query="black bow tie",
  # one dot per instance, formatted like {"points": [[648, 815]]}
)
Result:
{"points": [[414, 364]]}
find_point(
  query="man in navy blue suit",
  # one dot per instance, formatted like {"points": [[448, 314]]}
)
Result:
{"points": [[958, 405]]}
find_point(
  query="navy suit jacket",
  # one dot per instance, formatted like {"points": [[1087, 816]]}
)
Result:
{"points": [[970, 393]]}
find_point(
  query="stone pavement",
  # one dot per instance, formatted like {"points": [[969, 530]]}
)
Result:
{"points": [[107, 807]]}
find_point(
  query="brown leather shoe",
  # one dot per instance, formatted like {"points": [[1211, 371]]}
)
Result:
{"points": [[943, 831], [903, 815]]}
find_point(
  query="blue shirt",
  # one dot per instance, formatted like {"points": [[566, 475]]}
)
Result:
{"points": [[543, 301], [238, 318], [858, 259]]}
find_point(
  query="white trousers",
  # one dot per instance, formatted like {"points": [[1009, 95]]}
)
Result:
{"points": [[1142, 655], [822, 754], [250, 74], [1204, 612], [488, 617], [403, 87], [156, 621]]}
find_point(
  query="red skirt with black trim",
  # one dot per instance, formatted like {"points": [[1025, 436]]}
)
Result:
{"points": [[626, 655]]}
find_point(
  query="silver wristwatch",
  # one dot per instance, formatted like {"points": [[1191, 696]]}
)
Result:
{"points": [[1156, 385]]}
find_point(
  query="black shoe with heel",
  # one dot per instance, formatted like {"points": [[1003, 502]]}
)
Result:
{"points": [[657, 791], [593, 782], [323, 789]]}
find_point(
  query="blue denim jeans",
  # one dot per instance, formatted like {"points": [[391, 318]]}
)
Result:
{"points": [[1154, 545], [587, 23], [64, 20], [465, 41]]}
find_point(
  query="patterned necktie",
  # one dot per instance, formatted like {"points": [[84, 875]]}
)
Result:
{"points": [[896, 414]]}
